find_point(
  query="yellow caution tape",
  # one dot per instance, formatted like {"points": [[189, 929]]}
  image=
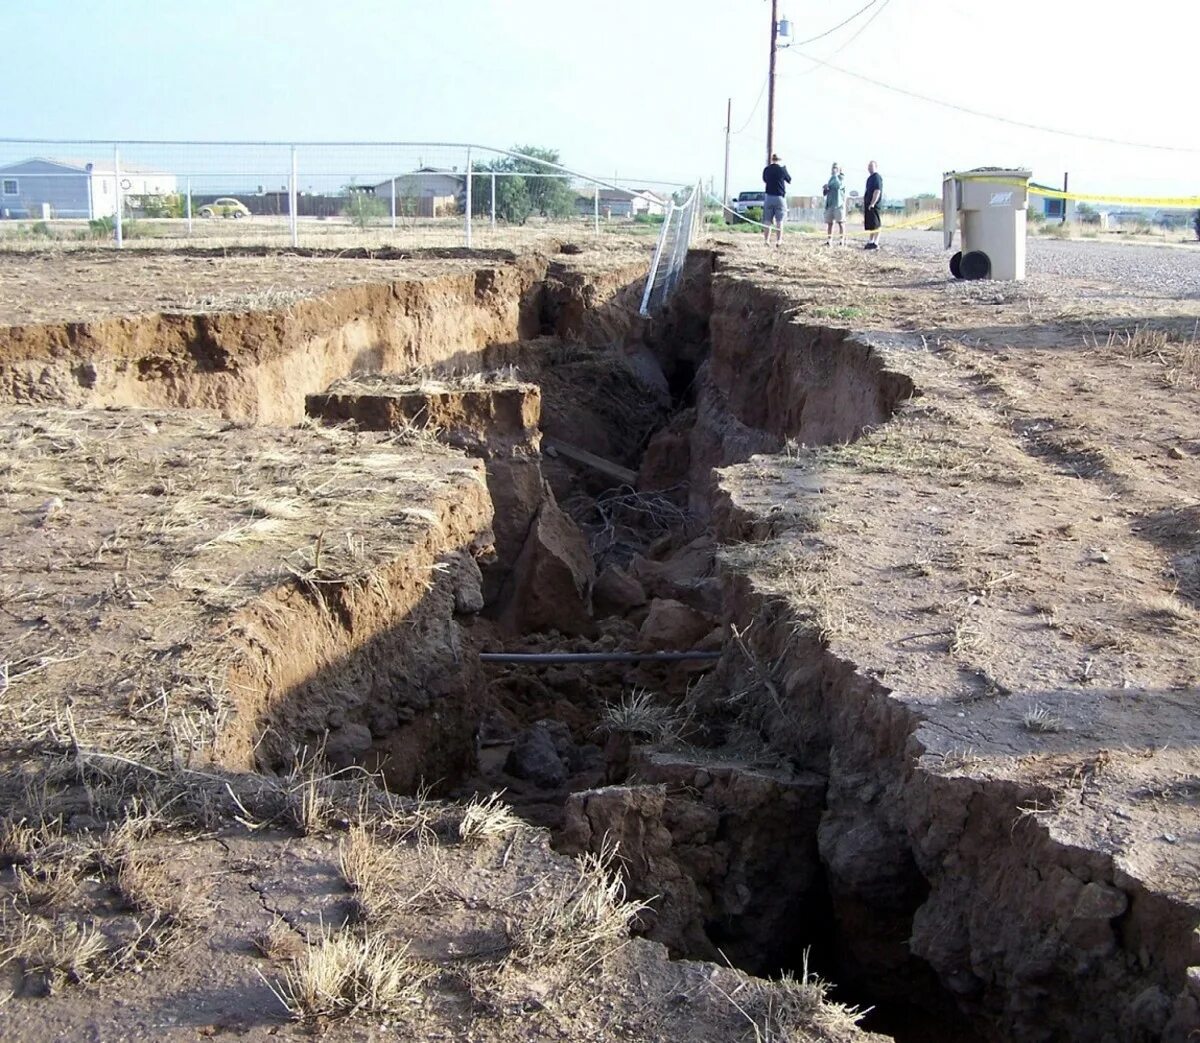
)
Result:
{"points": [[1162, 202]]}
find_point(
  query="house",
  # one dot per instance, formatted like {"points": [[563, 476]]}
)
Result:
{"points": [[46, 188], [620, 202], [425, 192]]}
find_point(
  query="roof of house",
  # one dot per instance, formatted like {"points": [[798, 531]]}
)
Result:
{"points": [[454, 174], [78, 166]]}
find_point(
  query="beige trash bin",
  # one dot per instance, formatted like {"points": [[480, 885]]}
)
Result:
{"points": [[989, 205]]}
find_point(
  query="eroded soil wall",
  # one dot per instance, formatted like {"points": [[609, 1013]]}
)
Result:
{"points": [[257, 366]]}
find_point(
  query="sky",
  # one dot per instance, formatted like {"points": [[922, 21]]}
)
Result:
{"points": [[634, 88]]}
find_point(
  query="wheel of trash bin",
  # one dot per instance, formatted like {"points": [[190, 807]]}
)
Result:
{"points": [[956, 265], [975, 264]]}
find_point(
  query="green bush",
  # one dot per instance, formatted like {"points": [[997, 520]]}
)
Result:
{"points": [[170, 205], [363, 209], [41, 230], [648, 219], [754, 213], [101, 227]]}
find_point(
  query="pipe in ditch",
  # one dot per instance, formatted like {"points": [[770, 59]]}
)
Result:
{"points": [[594, 657]]}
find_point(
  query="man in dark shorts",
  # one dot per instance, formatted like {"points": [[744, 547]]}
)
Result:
{"points": [[872, 197], [775, 180]]}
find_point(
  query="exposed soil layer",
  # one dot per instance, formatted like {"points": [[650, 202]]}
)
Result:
{"points": [[204, 619], [948, 744], [978, 626], [258, 358]]}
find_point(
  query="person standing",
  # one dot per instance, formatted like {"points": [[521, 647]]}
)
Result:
{"points": [[835, 205], [775, 180], [872, 197]]}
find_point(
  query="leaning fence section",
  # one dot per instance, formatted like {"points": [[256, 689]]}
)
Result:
{"points": [[679, 229], [312, 194]]}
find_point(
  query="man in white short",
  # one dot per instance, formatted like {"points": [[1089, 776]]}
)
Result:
{"points": [[835, 205]]}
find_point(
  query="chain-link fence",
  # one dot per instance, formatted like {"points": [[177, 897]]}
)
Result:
{"points": [[681, 225], [311, 194]]}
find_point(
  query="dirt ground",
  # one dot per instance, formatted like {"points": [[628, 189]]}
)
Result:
{"points": [[104, 283], [1003, 580]]}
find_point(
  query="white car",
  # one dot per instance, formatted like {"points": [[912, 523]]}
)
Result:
{"points": [[746, 200]]}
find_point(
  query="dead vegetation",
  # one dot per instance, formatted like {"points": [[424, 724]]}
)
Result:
{"points": [[344, 974], [640, 714], [575, 920], [1175, 356]]}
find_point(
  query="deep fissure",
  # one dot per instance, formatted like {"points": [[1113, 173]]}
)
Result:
{"points": [[625, 485], [592, 751]]}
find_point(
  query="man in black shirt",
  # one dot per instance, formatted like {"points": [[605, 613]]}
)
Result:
{"points": [[775, 178], [872, 197]]}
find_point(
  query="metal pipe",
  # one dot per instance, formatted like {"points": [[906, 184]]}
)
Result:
{"points": [[119, 197], [292, 194], [594, 657], [469, 203]]}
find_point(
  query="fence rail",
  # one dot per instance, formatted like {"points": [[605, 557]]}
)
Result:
{"points": [[405, 194], [680, 227]]}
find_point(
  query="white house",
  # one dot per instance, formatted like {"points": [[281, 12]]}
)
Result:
{"points": [[427, 192], [619, 202], [46, 188]]}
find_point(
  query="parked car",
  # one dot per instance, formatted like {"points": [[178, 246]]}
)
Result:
{"points": [[746, 200], [224, 207]]}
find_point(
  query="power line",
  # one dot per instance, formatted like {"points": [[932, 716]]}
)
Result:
{"points": [[992, 116], [821, 62], [757, 102], [830, 32]]}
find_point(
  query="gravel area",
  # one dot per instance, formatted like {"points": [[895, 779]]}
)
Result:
{"points": [[1128, 269]]}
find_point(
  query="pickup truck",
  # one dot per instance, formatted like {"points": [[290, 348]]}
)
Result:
{"points": [[746, 200]]}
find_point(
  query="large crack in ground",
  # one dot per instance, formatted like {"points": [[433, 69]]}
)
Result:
{"points": [[605, 543], [771, 804]]}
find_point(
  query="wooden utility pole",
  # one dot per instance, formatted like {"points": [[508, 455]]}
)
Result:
{"points": [[728, 123], [771, 82], [1066, 181]]}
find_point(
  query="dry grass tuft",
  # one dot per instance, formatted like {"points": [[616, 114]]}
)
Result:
{"points": [[788, 1009], [145, 885], [343, 975], [309, 806], [579, 919], [1040, 719], [1178, 357], [46, 884], [53, 951], [367, 868], [637, 714], [486, 818], [18, 841]]}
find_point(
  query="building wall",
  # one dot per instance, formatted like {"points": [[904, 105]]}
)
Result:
{"points": [[72, 193], [41, 183]]}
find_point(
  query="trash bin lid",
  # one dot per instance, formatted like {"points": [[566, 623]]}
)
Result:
{"points": [[987, 173]]}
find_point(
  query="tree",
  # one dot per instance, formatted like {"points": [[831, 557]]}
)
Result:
{"points": [[1089, 215], [518, 194], [512, 194], [549, 196]]}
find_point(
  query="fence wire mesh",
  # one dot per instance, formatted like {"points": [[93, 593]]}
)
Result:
{"points": [[311, 194], [680, 227]]}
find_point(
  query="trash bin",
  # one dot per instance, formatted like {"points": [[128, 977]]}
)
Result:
{"points": [[989, 204]]}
